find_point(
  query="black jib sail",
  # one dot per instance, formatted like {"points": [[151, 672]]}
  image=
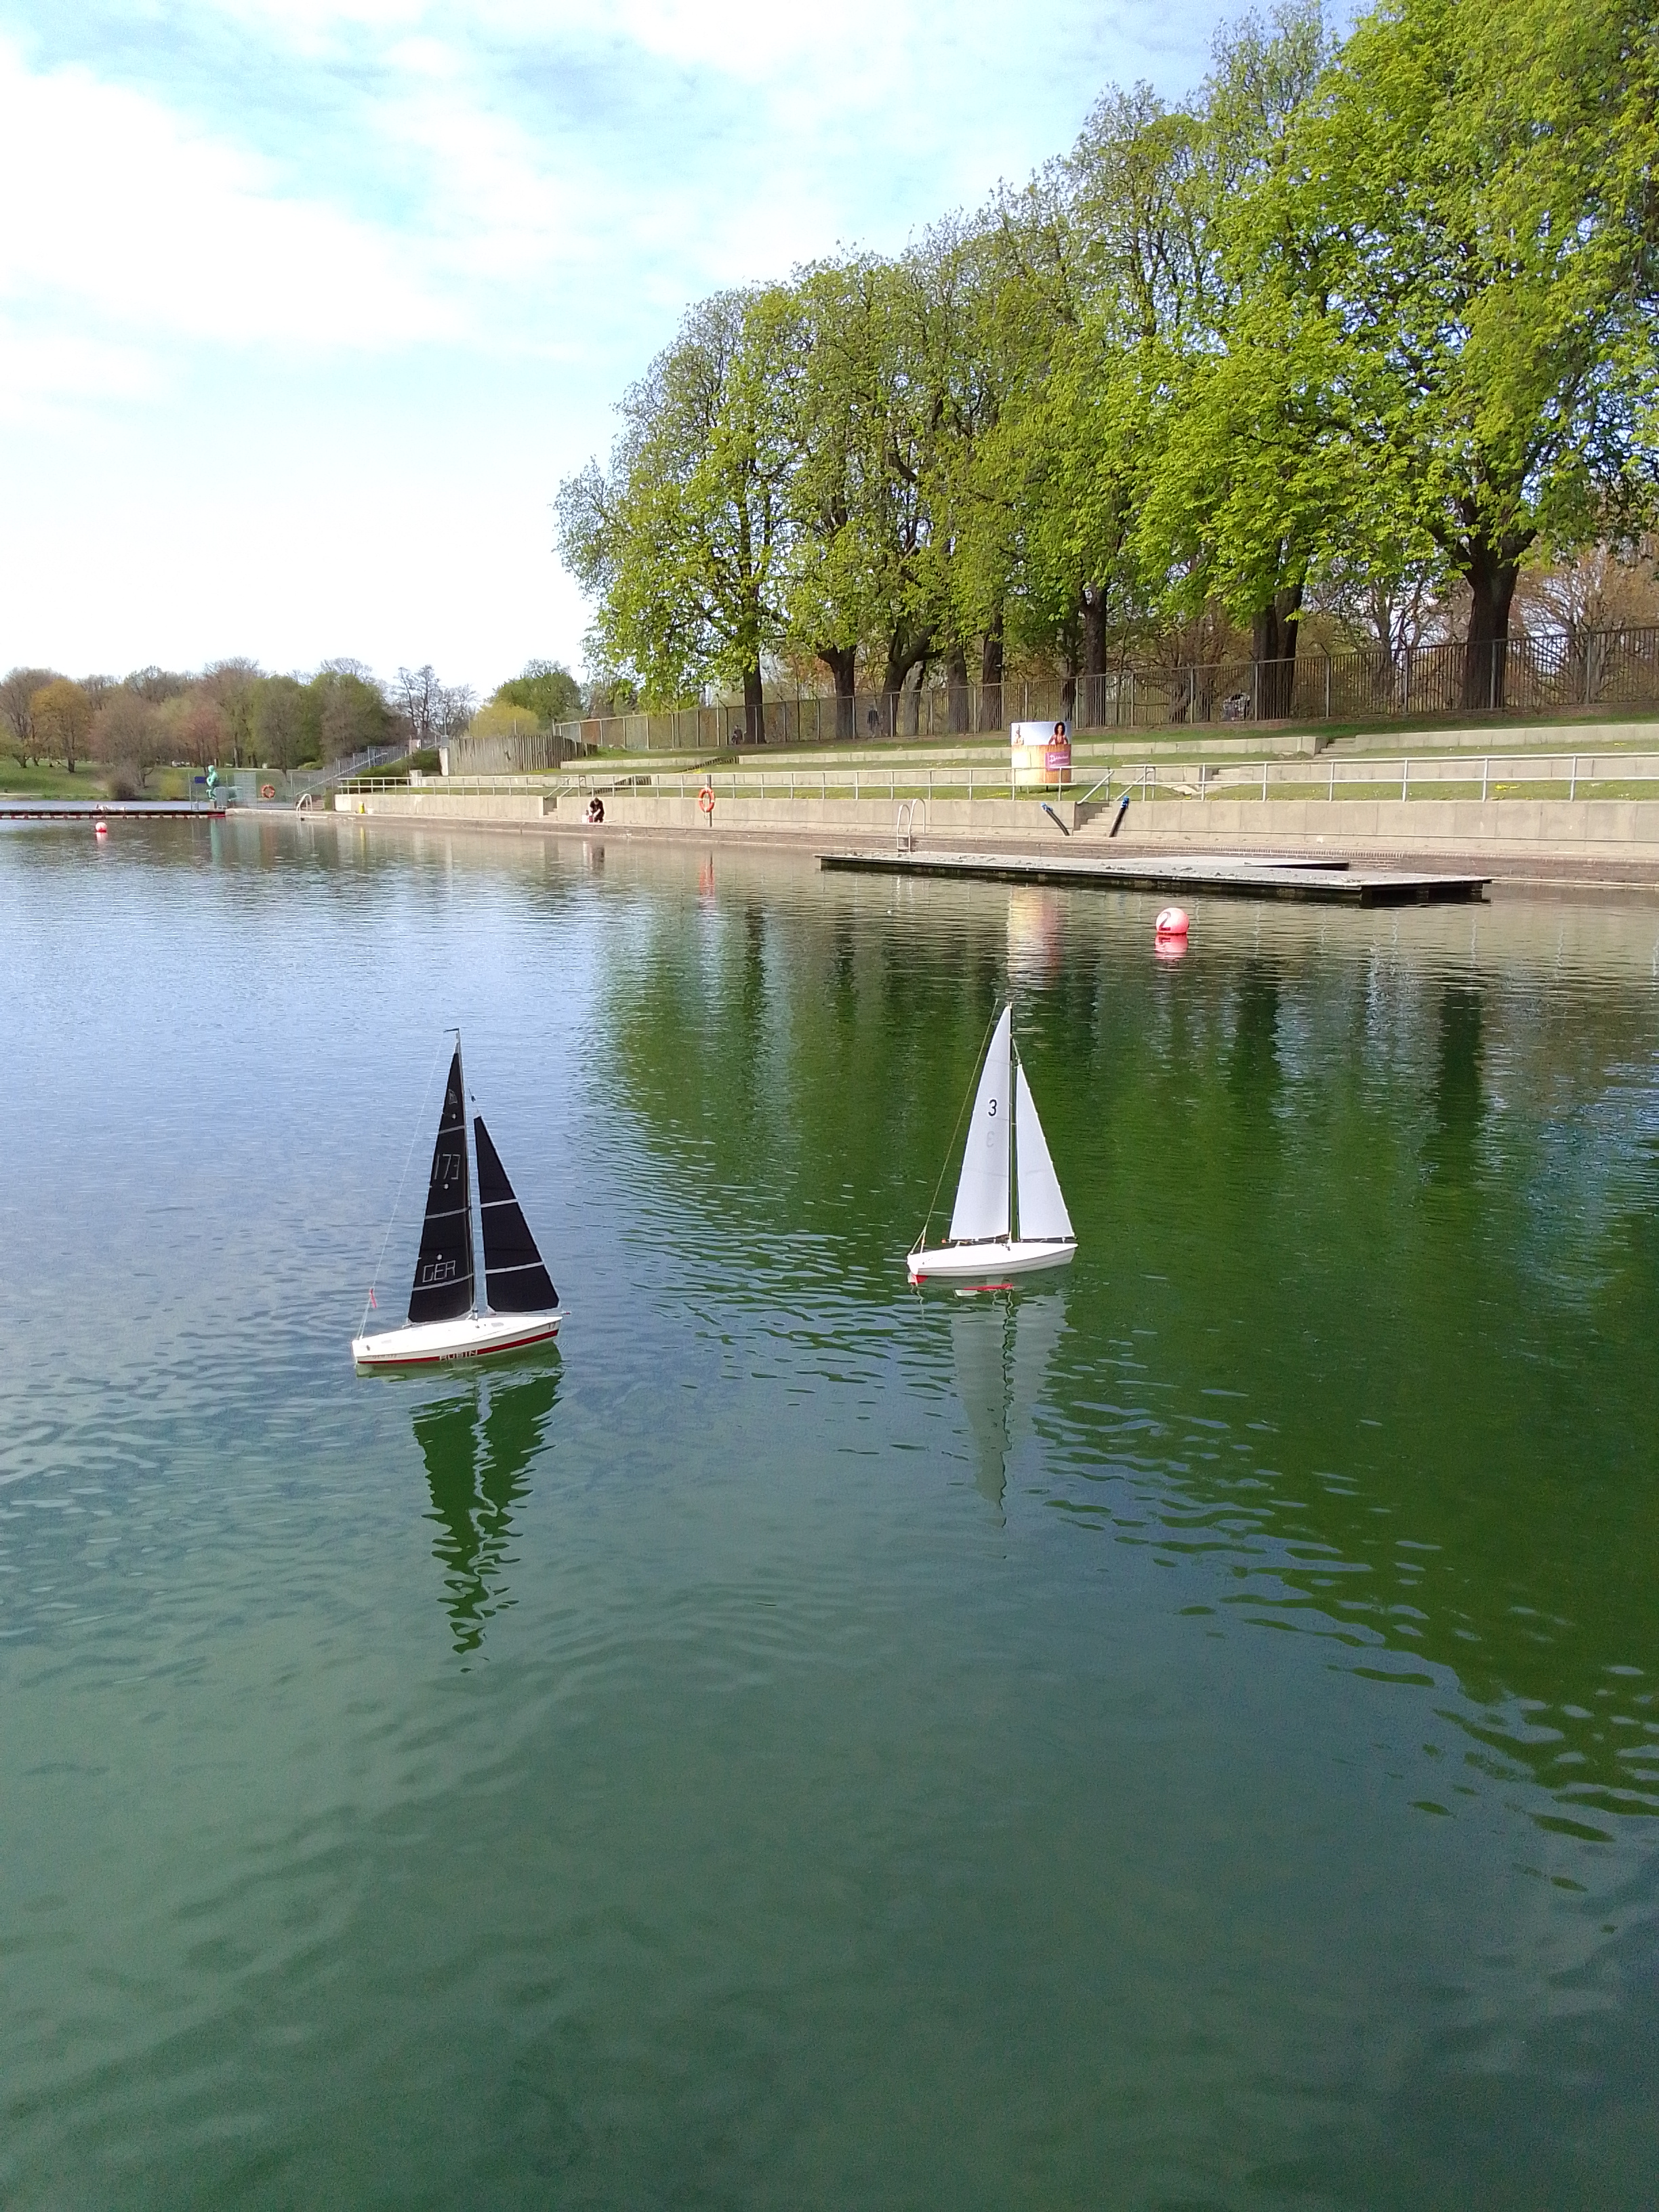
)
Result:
{"points": [[443, 1273], [514, 1277]]}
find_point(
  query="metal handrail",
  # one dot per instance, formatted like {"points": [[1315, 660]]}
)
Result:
{"points": [[1494, 776]]}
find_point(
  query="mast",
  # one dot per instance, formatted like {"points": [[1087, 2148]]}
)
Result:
{"points": [[471, 1252], [444, 1273], [1015, 1068]]}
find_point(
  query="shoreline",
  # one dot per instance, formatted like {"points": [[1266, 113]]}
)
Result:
{"points": [[1536, 862]]}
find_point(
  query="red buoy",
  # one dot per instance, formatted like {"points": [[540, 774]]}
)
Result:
{"points": [[1171, 922], [100, 829]]}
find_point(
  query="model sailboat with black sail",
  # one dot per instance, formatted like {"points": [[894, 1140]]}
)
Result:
{"points": [[1009, 1218], [445, 1321]]}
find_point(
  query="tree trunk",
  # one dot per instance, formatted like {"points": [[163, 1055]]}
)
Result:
{"points": [[1272, 632], [905, 648], [990, 676], [1491, 577], [1091, 710], [956, 678], [842, 661], [754, 711]]}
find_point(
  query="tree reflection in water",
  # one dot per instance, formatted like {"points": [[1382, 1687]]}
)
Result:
{"points": [[477, 1447]]}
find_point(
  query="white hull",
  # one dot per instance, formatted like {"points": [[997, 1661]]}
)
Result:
{"points": [[991, 1261], [470, 1336]]}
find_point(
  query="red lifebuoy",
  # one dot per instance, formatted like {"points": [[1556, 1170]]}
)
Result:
{"points": [[706, 798], [267, 791]]}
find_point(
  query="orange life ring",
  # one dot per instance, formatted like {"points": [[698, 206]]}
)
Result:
{"points": [[267, 791], [706, 798]]}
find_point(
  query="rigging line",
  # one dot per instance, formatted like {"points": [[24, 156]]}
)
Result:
{"points": [[415, 1138], [949, 1149]]}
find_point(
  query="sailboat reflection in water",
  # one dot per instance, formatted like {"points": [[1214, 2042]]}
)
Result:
{"points": [[474, 1489], [521, 1307], [1000, 1348]]}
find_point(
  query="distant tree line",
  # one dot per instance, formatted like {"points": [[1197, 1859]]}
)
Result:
{"points": [[233, 714], [1363, 334]]}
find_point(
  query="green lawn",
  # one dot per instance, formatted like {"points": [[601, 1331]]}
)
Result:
{"points": [[49, 780]]}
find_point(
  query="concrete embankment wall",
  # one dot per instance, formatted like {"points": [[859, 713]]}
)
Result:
{"points": [[1426, 825], [869, 819], [1402, 826], [434, 804]]}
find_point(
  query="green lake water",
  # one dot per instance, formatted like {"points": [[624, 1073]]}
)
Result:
{"points": [[1181, 1734]]}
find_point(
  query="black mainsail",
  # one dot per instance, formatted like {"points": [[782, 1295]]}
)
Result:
{"points": [[515, 1280], [443, 1273]]}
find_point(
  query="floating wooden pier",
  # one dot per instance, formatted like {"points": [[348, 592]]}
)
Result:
{"points": [[102, 810], [1233, 874]]}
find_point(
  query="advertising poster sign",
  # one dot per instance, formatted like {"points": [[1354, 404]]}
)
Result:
{"points": [[1042, 753]]}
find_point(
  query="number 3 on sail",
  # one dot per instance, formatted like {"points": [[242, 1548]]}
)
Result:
{"points": [[521, 1307], [1009, 1218]]}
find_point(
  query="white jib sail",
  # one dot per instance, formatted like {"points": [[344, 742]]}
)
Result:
{"points": [[1042, 1209], [982, 1207]]}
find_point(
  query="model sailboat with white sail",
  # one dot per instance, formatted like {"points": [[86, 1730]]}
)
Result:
{"points": [[445, 1321], [1009, 1218]]}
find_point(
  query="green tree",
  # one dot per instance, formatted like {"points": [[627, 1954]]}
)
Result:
{"points": [[17, 691], [287, 722], [1470, 241], [683, 541], [1250, 477], [351, 712], [546, 690], [62, 714]]}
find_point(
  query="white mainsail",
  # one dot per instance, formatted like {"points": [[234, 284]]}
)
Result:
{"points": [[1042, 1209], [982, 1207]]}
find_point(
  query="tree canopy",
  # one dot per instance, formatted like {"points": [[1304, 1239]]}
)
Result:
{"points": [[1363, 323]]}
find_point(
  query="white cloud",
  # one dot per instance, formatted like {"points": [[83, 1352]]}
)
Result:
{"points": [[118, 206], [47, 378], [306, 306]]}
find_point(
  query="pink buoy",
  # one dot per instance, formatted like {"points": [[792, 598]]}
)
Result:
{"points": [[1171, 922]]}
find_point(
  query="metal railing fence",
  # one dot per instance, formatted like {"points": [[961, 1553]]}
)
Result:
{"points": [[1329, 777], [1549, 672]]}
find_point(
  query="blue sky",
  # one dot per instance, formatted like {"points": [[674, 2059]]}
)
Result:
{"points": [[306, 306]]}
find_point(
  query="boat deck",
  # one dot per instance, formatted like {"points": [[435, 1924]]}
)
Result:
{"points": [[1233, 874]]}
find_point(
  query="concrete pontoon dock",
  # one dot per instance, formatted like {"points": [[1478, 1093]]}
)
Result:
{"points": [[1233, 875], [102, 810]]}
